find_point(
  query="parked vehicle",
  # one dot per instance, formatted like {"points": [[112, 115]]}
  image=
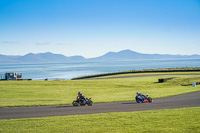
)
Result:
{"points": [[145, 99], [79, 102]]}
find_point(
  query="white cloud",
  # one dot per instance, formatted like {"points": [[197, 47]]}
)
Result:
{"points": [[47, 43], [8, 42]]}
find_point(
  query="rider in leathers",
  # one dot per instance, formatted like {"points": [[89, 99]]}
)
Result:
{"points": [[82, 97], [141, 96]]}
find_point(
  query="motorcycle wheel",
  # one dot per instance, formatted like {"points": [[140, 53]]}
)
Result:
{"points": [[138, 100], [150, 99], [89, 103], [75, 103]]}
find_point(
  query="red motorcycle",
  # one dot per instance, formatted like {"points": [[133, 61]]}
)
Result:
{"points": [[79, 102]]}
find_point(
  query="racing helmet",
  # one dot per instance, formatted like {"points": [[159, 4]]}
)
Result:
{"points": [[137, 93], [79, 93]]}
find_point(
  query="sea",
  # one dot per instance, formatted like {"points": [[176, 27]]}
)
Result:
{"points": [[67, 71]]}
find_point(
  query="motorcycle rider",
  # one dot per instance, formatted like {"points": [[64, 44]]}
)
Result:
{"points": [[141, 96], [82, 97]]}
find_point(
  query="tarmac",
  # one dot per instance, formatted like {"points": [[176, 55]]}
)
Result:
{"points": [[172, 102]]}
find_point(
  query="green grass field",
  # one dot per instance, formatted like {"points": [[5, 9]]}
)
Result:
{"points": [[185, 120], [28, 93], [135, 74]]}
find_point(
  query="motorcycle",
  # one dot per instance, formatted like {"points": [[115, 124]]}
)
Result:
{"points": [[145, 100], [79, 102]]}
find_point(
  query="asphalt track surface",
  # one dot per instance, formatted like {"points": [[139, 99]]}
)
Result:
{"points": [[172, 102]]}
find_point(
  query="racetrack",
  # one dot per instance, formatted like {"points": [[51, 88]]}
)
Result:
{"points": [[178, 101]]}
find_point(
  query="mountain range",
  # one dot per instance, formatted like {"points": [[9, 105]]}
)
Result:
{"points": [[110, 56]]}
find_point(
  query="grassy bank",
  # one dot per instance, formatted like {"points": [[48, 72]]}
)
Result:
{"points": [[149, 71], [184, 120], [143, 74], [28, 93]]}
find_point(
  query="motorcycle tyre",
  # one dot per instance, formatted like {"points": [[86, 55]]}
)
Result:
{"points": [[150, 99], [89, 103], [75, 103], [138, 100]]}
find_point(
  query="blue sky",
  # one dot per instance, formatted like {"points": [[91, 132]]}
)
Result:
{"points": [[92, 28]]}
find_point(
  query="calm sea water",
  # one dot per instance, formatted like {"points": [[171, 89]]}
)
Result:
{"points": [[70, 70]]}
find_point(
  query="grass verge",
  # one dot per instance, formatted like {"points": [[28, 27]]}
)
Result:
{"points": [[185, 120]]}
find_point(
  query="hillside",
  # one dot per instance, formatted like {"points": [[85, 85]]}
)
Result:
{"points": [[132, 55], [110, 56], [38, 58]]}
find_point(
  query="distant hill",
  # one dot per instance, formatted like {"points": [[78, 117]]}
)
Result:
{"points": [[110, 56], [41, 57], [8, 59], [131, 55]]}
